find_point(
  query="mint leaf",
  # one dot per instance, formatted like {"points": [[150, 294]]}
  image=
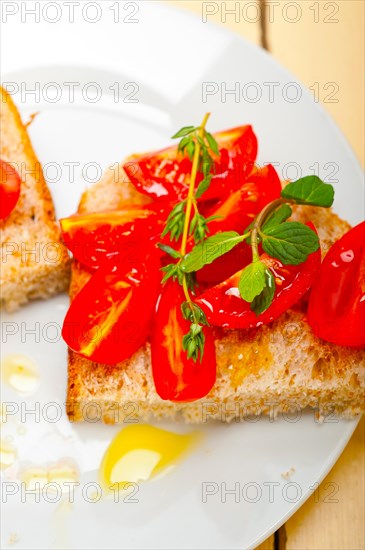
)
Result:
{"points": [[184, 132], [252, 281], [203, 186], [209, 250], [309, 190], [277, 217], [264, 300], [290, 242]]}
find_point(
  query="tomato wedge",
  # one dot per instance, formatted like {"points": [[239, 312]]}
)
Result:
{"points": [[225, 266], [165, 175], [9, 189], [237, 212], [109, 319], [176, 377], [336, 310], [224, 306], [122, 234]]}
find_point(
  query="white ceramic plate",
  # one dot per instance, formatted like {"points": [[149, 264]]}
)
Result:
{"points": [[151, 53]]}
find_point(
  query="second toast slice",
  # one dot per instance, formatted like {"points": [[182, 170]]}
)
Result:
{"points": [[34, 262]]}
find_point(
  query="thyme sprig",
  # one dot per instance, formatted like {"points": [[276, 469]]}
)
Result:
{"points": [[186, 221]]}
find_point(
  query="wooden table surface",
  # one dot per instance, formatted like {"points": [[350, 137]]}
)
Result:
{"points": [[322, 43]]}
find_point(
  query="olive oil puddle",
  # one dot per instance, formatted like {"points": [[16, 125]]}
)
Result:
{"points": [[20, 373], [141, 452]]}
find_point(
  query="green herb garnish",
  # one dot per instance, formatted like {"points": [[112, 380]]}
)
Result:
{"points": [[185, 220], [288, 241]]}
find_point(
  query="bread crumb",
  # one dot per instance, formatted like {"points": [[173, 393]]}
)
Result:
{"points": [[240, 357], [288, 474]]}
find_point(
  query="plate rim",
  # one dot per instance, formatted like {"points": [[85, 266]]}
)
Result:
{"points": [[322, 112]]}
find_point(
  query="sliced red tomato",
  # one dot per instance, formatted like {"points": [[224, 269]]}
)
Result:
{"points": [[109, 319], [176, 377], [336, 309], [164, 174], [9, 189], [223, 267], [224, 306], [236, 213], [238, 210], [122, 234]]}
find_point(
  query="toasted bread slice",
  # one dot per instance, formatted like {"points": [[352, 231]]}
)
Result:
{"points": [[34, 262], [281, 367]]}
